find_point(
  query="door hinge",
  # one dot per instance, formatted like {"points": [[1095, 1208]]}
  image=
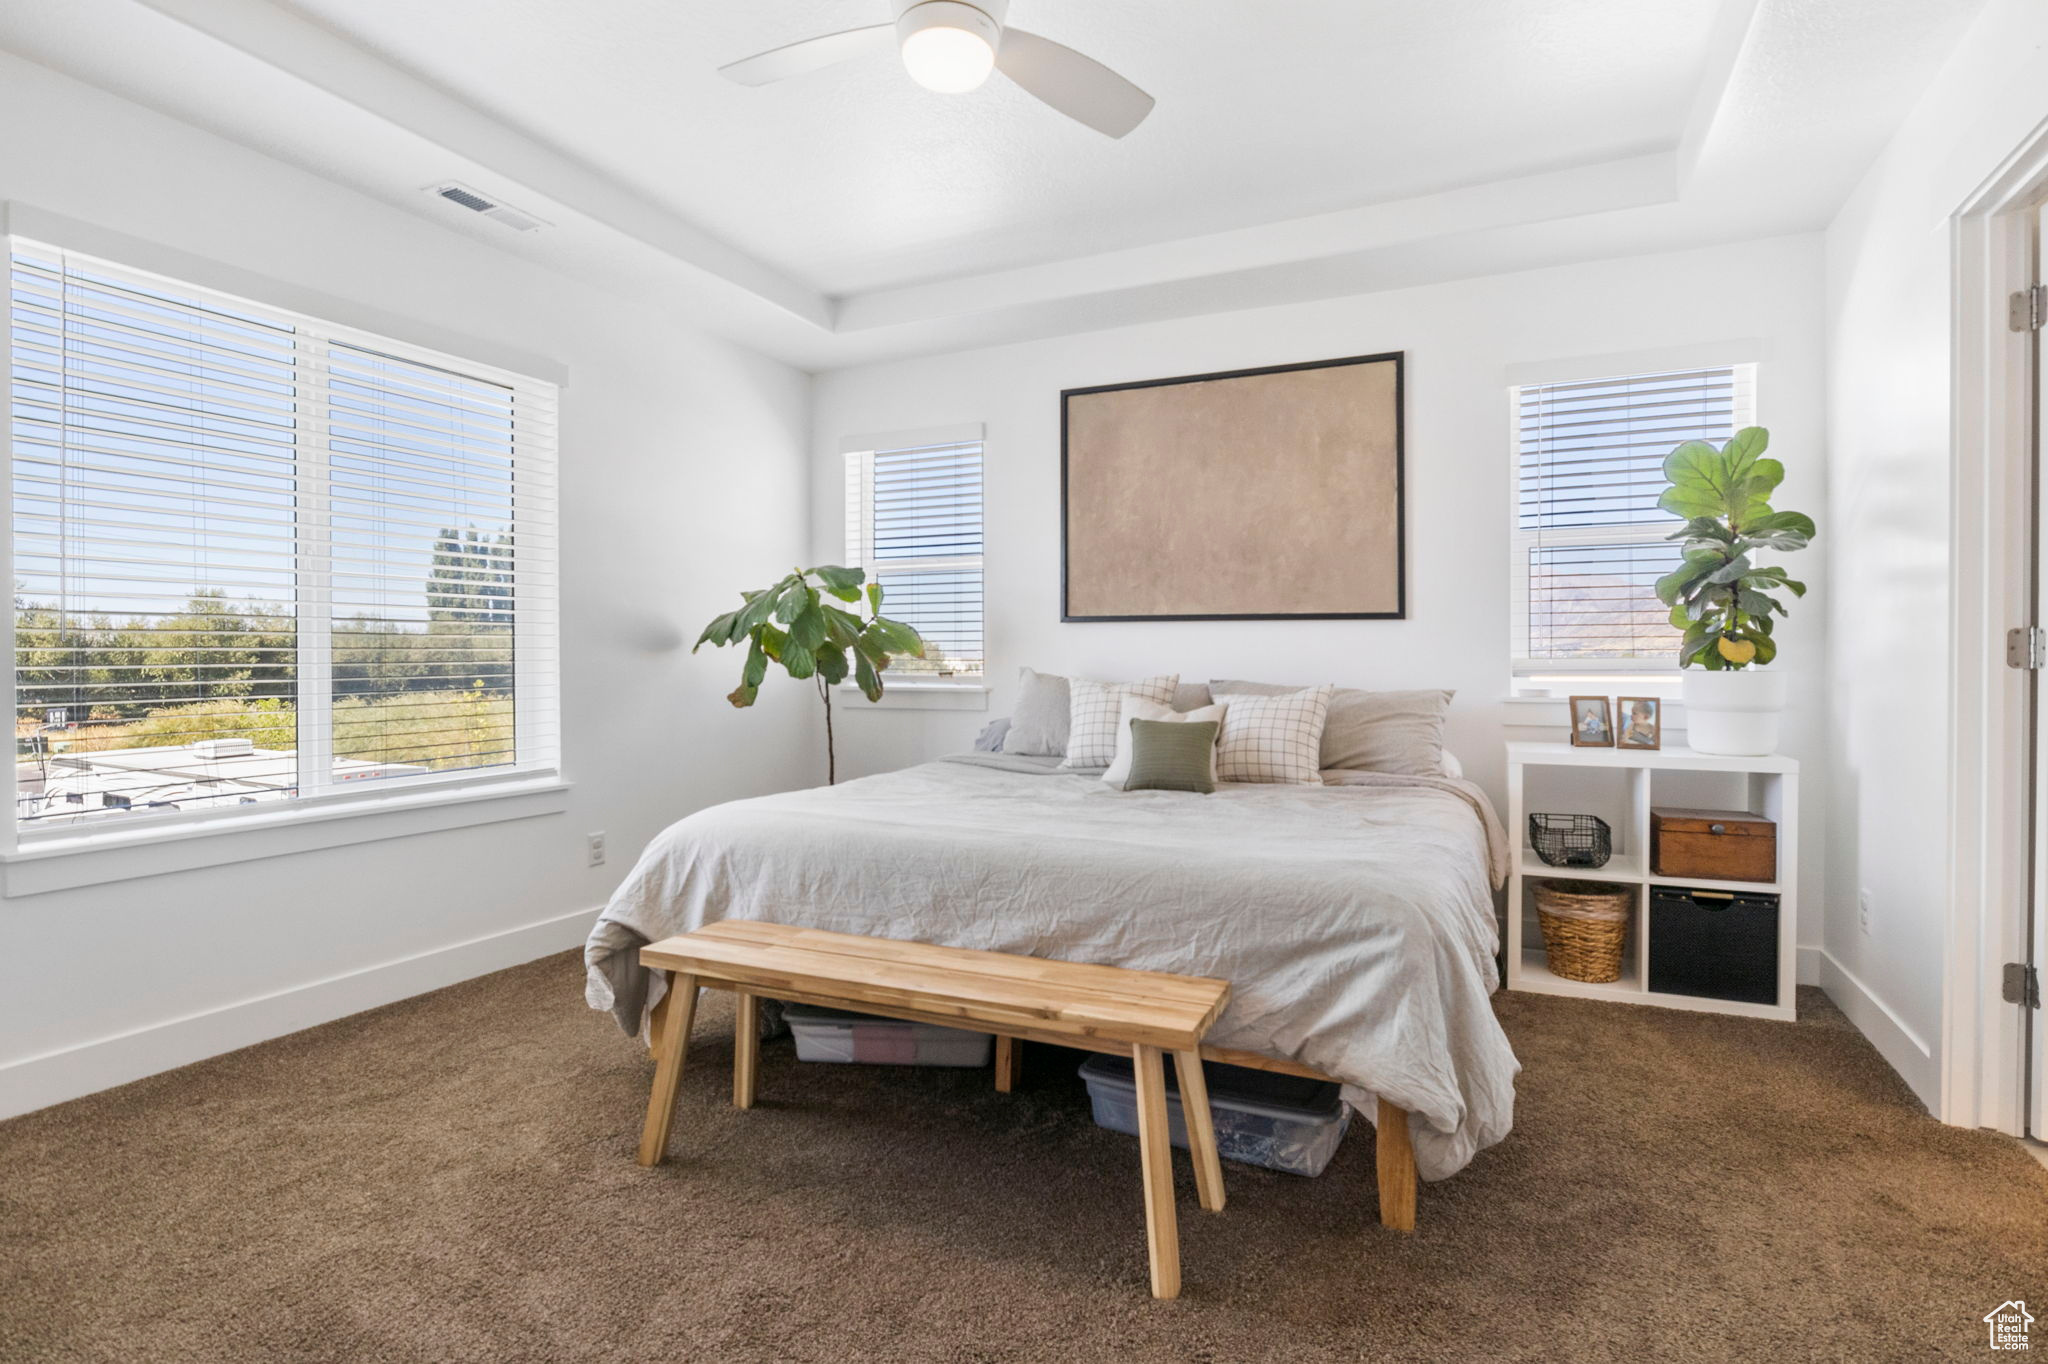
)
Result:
{"points": [[2028, 309], [2022, 984], [2026, 646]]}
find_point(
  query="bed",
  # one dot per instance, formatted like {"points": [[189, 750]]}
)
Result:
{"points": [[1354, 920]]}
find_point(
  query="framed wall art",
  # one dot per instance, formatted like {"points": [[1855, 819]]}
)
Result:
{"points": [[1252, 494]]}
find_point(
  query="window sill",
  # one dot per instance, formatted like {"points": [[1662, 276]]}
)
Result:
{"points": [[926, 696], [100, 857]]}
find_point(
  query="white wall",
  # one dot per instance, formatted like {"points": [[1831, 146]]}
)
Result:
{"points": [[1889, 302], [1461, 340], [683, 462]]}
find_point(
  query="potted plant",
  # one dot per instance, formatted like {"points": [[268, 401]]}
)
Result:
{"points": [[792, 624], [1721, 598]]}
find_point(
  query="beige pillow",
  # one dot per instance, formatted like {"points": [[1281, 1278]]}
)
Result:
{"points": [[1372, 731], [1137, 708], [1092, 723], [1273, 739]]}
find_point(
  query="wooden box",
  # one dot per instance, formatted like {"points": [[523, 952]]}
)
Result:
{"points": [[1712, 845]]}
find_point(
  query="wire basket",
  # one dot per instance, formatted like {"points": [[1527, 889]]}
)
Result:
{"points": [[1571, 840], [1585, 927]]}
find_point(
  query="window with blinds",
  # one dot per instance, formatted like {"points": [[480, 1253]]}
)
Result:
{"points": [[262, 559], [1589, 538], [913, 521]]}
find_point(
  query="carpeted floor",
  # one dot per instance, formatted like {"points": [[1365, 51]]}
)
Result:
{"points": [[452, 1178]]}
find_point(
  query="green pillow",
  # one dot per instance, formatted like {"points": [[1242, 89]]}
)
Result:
{"points": [[1173, 755]]}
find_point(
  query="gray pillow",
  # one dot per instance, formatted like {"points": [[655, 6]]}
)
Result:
{"points": [[1192, 696], [1039, 720], [990, 740], [1372, 731]]}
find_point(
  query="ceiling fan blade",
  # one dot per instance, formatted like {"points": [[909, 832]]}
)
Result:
{"points": [[1080, 87], [812, 54]]}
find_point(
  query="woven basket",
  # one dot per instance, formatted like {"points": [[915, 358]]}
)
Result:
{"points": [[1585, 927]]}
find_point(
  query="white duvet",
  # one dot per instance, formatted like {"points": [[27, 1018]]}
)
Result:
{"points": [[1354, 922]]}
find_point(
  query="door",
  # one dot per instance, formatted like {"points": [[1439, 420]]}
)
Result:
{"points": [[2034, 1097]]}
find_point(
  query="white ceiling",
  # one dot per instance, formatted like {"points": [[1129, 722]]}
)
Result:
{"points": [[856, 178], [1298, 146]]}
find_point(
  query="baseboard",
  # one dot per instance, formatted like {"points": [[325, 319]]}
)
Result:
{"points": [[72, 1072], [1902, 1048]]}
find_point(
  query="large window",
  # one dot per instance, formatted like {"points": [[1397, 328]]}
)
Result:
{"points": [[259, 559], [1589, 538], [913, 521]]}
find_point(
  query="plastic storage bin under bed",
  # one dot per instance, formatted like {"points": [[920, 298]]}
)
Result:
{"points": [[840, 1036], [1283, 1122]]}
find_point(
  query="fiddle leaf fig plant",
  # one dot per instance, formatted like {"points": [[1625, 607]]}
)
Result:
{"points": [[792, 624], [1718, 595]]}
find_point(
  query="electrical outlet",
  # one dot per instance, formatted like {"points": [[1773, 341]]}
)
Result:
{"points": [[594, 846], [1863, 910]]}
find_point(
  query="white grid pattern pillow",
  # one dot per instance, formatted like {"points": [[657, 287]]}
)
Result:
{"points": [[1091, 737], [1274, 739]]}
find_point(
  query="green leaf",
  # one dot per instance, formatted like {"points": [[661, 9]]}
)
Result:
{"points": [[718, 633], [809, 629], [875, 596], [773, 642], [832, 664], [843, 583], [1762, 477], [799, 662], [1702, 528], [760, 606], [1681, 616], [1729, 572], [1742, 451], [755, 668], [870, 680], [1766, 650], [792, 597], [896, 637], [842, 627], [1697, 565], [1756, 603], [1671, 584], [1798, 523]]}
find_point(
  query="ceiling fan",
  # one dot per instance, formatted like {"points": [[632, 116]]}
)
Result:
{"points": [[951, 46]]}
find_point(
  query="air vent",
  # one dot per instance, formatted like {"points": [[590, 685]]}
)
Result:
{"points": [[490, 208], [466, 199]]}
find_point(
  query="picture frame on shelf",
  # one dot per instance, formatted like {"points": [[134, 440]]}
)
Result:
{"points": [[1592, 722], [1640, 722]]}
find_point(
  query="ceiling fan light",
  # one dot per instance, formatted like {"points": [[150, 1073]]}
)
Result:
{"points": [[948, 47]]}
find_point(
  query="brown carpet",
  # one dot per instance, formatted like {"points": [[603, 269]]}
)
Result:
{"points": [[452, 1178]]}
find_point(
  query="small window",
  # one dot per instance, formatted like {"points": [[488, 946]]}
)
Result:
{"points": [[913, 521], [262, 561], [1589, 538]]}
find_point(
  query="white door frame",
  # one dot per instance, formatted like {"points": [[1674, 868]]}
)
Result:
{"points": [[1982, 1043]]}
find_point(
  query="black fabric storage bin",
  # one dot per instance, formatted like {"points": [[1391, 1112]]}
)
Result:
{"points": [[1715, 944]]}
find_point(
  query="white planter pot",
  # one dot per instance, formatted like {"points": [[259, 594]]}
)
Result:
{"points": [[1733, 714]]}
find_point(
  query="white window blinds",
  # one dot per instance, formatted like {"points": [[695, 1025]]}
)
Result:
{"points": [[1589, 540], [913, 521], [262, 559]]}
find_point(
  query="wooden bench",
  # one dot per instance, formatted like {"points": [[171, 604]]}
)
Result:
{"points": [[1013, 997], [1142, 1014]]}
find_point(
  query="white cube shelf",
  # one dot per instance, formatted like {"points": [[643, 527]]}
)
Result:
{"points": [[1622, 784]]}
